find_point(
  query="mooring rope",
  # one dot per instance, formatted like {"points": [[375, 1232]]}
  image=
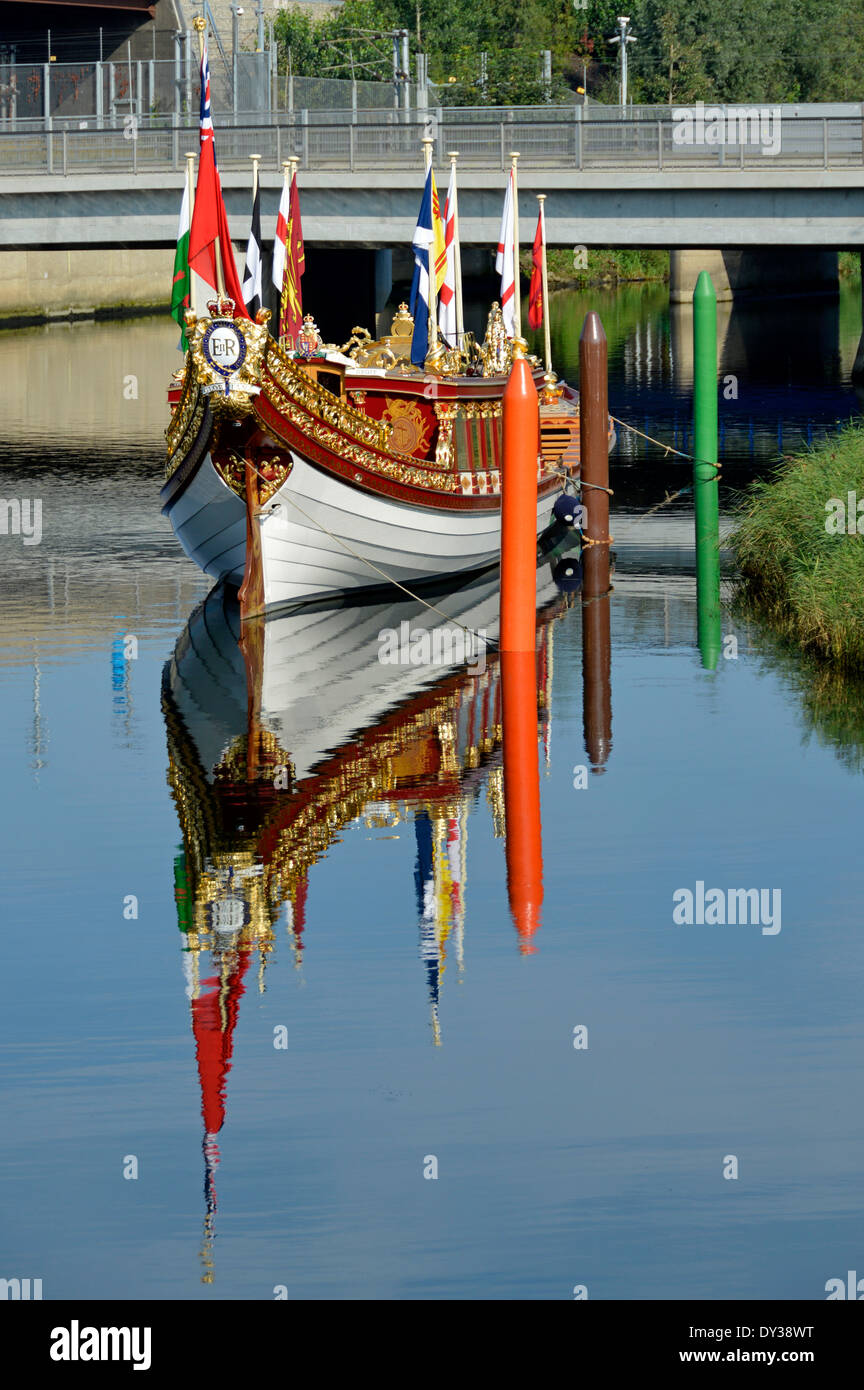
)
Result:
{"points": [[668, 448]]}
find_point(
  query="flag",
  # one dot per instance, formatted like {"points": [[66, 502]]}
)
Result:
{"points": [[536, 306], [182, 282], [423, 239], [209, 219], [504, 262], [447, 291], [252, 273], [439, 246], [289, 262]]}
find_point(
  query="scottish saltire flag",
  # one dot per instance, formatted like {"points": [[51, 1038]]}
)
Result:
{"points": [[447, 290], [504, 263], [423, 237], [252, 292]]}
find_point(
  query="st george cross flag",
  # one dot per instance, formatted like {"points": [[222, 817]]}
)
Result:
{"points": [[447, 295], [252, 272], [289, 262], [504, 263], [423, 237], [181, 284], [536, 306], [209, 220]]}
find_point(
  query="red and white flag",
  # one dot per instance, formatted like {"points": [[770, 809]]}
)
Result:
{"points": [[279, 244], [447, 293], [504, 262]]}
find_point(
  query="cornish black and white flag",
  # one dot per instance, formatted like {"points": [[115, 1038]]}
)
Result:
{"points": [[252, 273]]}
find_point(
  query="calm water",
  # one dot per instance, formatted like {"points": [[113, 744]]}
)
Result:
{"points": [[368, 931]]}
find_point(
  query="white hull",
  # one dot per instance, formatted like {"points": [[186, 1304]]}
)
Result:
{"points": [[321, 538]]}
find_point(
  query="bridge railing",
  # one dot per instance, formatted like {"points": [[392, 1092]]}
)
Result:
{"points": [[801, 142]]}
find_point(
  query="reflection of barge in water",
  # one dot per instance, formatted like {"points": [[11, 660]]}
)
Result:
{"points": [[280, 733]]}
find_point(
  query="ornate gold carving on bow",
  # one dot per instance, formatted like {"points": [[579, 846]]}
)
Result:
{"points": [[496, 353], [230, 394], [446, 412]]}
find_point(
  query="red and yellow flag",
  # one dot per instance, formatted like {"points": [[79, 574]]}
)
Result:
{"points": [[291, 301], [535, 291], [439, 241]]}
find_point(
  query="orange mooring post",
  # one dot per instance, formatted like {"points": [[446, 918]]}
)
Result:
{"points": [[521, 422], [524, 847]]}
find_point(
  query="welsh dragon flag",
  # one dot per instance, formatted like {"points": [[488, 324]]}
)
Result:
{"points": [[182, 284]]}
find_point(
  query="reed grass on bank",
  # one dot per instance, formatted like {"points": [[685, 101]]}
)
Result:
{"points": [[806, 580]]}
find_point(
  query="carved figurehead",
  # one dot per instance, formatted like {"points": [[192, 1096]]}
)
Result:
{"points": [[497, 350]]}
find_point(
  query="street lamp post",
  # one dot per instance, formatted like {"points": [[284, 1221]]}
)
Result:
{"points": [[623, 37]]}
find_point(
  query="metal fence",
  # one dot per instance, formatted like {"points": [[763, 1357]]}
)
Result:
{"points": [[104, 95], [392, 141]]}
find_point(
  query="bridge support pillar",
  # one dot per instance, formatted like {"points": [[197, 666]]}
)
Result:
{"points": [[763, 272]]}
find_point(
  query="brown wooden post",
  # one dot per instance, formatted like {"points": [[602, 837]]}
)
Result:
{"points": [[596, 616], [252, 589]]}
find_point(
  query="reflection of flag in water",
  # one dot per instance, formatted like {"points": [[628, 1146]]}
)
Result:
{"points": [[439, 879], [424, 879], [214, 1016]]}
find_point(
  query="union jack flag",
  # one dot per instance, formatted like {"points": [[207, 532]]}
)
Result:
{"points": [[206, 117]]}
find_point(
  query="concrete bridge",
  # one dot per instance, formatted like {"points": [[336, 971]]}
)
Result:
{"points": [[770, 200]]}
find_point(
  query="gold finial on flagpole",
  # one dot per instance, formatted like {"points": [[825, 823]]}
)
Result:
{"points": [[428, 145]]}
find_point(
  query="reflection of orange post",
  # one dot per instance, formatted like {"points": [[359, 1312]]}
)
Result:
{"points": [[521, 425], [524, 847], [596, 640]]}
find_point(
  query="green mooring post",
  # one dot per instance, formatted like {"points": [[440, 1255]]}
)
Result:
{"points": [[705, 490]]}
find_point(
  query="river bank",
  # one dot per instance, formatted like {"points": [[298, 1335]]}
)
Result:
{"points": [[799, 546], [582, 269]]}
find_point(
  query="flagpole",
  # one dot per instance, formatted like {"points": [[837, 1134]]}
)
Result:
{"points": [[256, 160], [199, 23], [428, 143], [190, 193], [547, 332], [287, 175], [453, 155], [517, 307]]}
